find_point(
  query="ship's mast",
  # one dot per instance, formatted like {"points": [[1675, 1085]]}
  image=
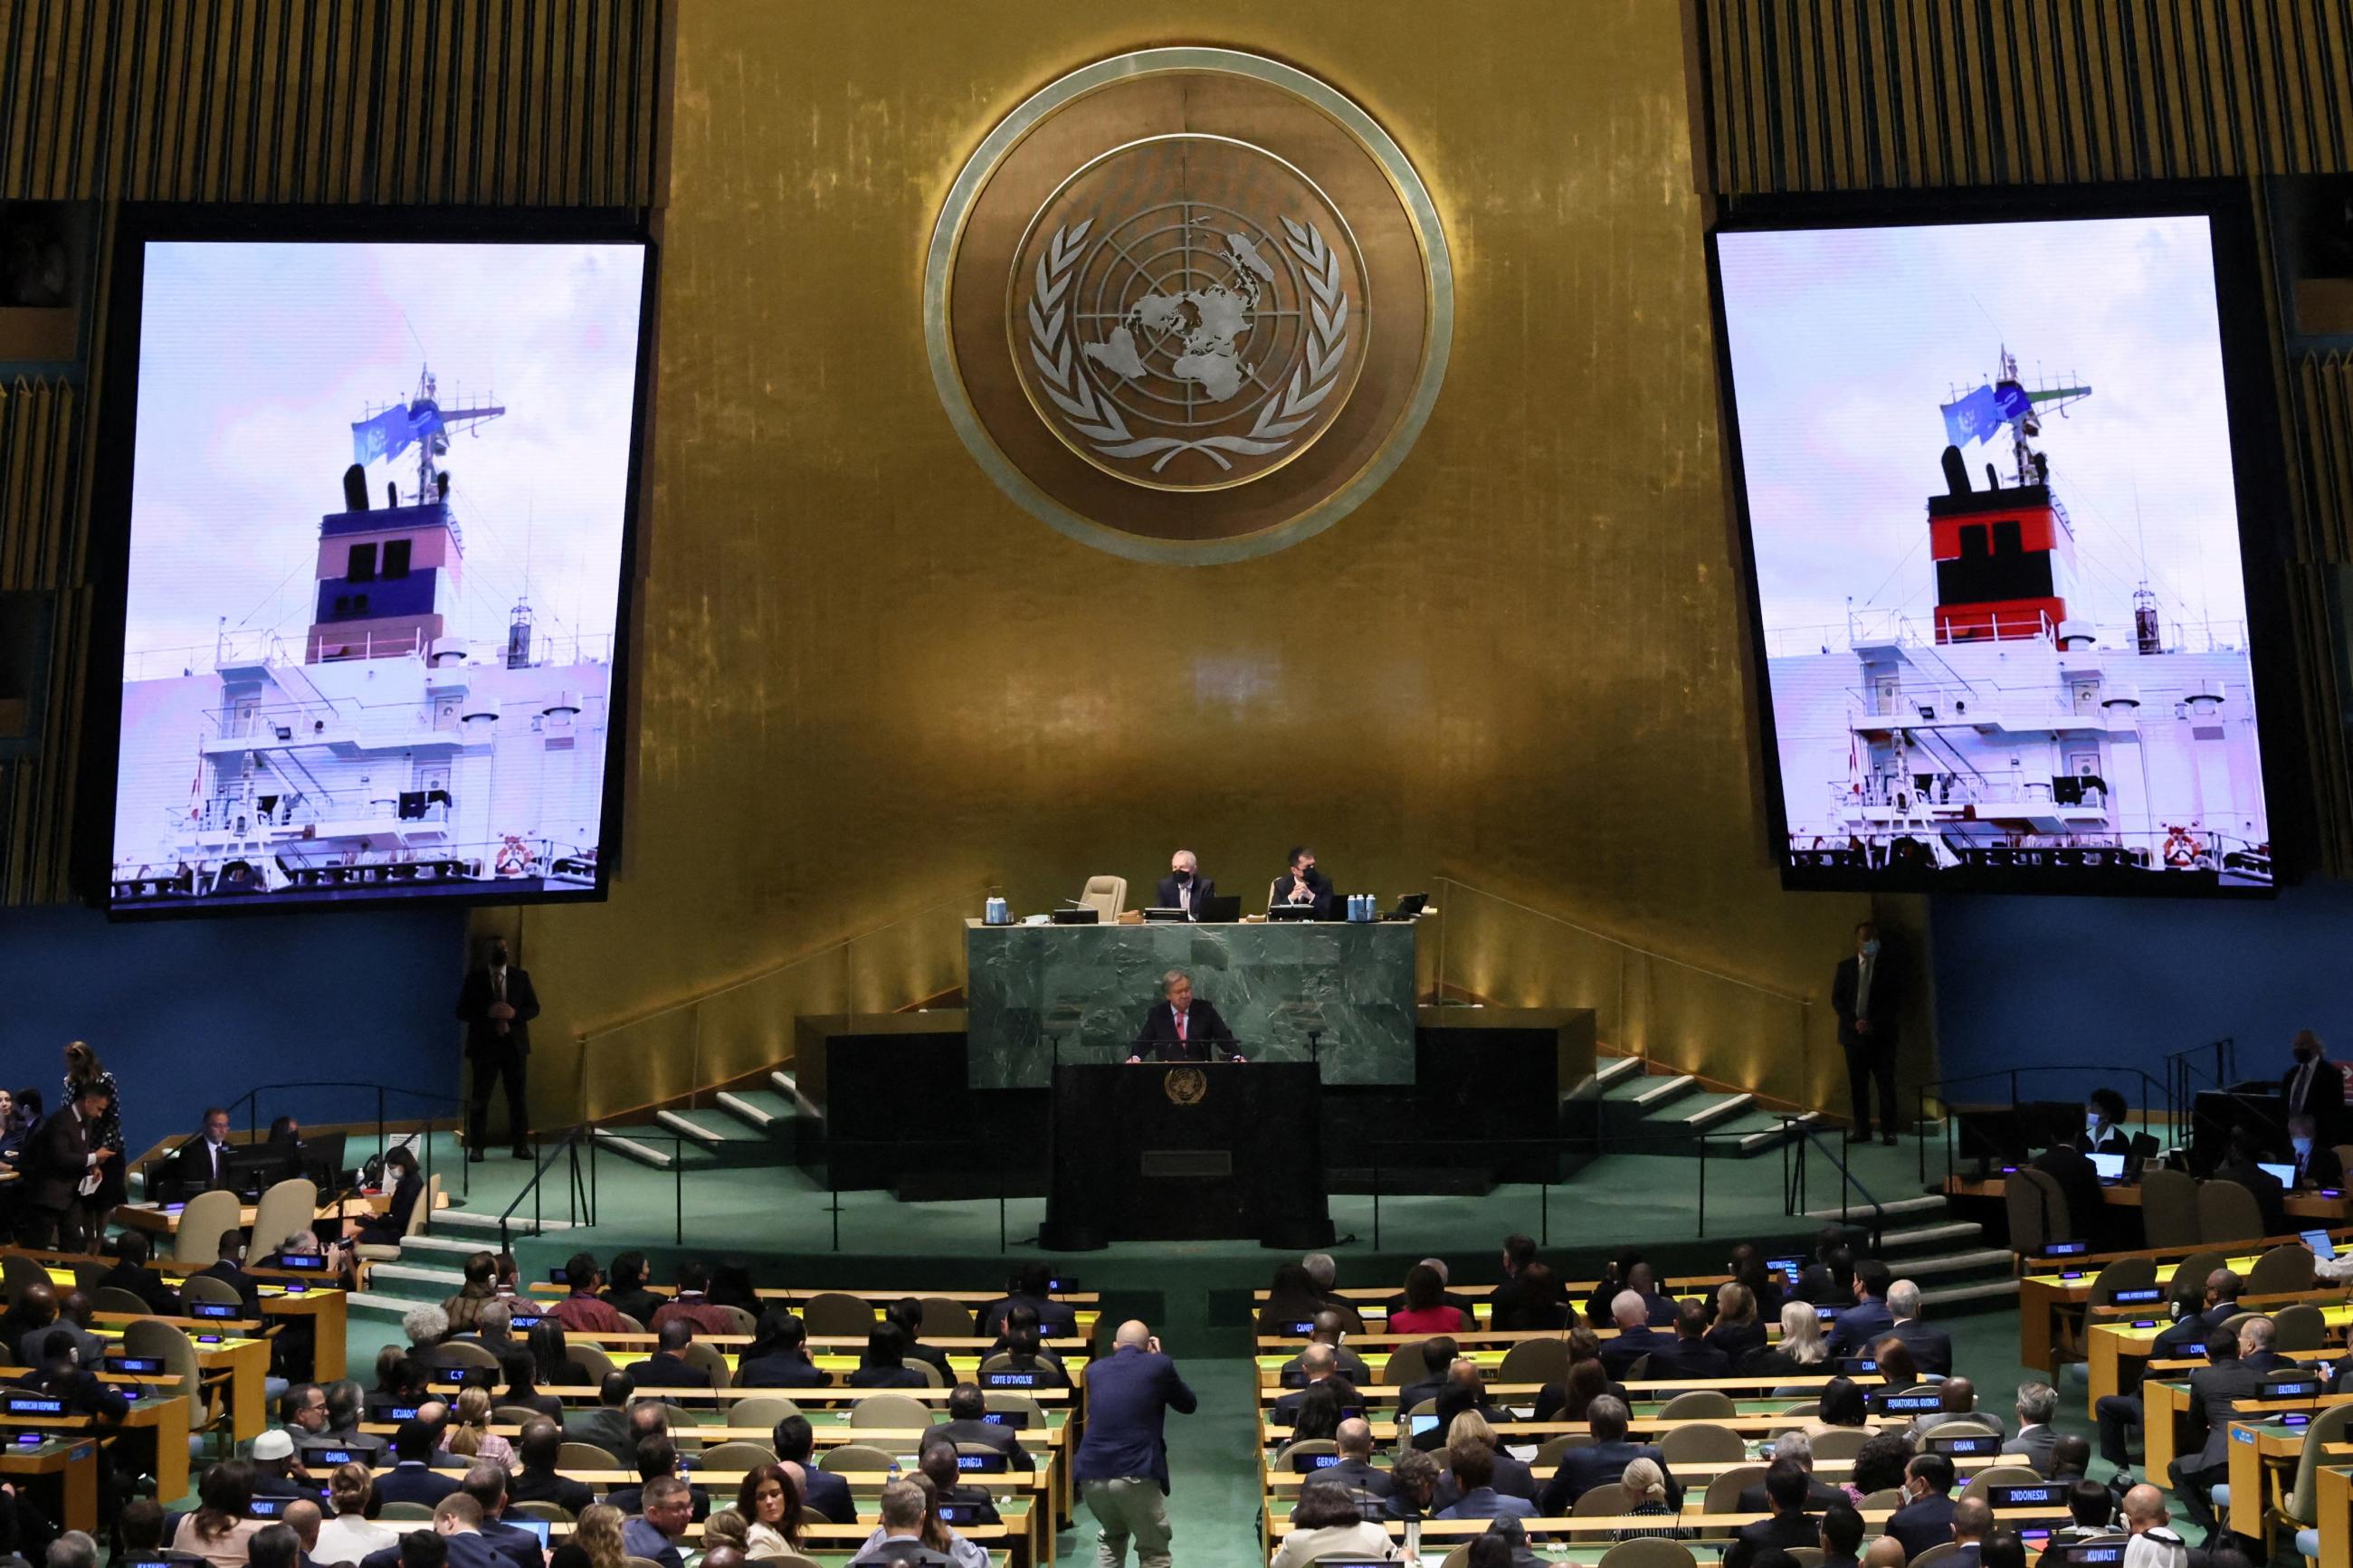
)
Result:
{"points": [[436, 444]]}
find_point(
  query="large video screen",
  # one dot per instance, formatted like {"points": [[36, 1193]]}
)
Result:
{"points": [[379, 508], [1989, 496]]}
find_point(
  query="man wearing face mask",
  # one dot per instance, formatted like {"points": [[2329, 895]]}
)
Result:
{"points": [[1303, 884], [497, 1005], [2317, 1164], [1865, 996], [2314, 1086], [2104, 1133], [1185, 888]]}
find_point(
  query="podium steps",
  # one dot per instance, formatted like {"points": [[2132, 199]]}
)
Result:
{"points": [[1660, 1111]]}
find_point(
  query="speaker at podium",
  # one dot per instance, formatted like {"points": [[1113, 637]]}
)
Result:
{"points": [[1186, 1152]]}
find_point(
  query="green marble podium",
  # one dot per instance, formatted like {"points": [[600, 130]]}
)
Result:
{"points": [[1272, 982]]}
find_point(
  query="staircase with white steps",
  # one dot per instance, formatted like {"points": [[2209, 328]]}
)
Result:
{"points": [[751, 1124], [1666, 1112], [1920, 1243]]}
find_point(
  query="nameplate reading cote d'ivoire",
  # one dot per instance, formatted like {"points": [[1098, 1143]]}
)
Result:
{"points": [[1188, 304]]}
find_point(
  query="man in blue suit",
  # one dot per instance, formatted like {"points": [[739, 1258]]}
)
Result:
{"points": [[1631, 1310], [456, 1525], [1475, 1472], [412, 1478], [487, 1485], [2189, 1331], [1604, 1459], [1122, 1463], [1926, 1518], [1866, 1322], [1688, 1357], [793, 1441], [1932, 1348]]}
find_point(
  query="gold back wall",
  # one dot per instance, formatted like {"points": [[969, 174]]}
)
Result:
{"points": [[871, 682]]}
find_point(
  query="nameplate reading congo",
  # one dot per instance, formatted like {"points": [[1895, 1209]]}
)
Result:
{"points": [[1186, 1086]]}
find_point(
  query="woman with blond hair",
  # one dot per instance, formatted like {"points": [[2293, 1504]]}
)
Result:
{"points": [[1802, 1352], [468, 1434], [1737, 1330], [596, 1541], [1646, 1492], [1512, 1477], [352, 1534]]}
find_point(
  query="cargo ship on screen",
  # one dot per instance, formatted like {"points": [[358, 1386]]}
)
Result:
{"points": [[2005, 730], [374, 752]]}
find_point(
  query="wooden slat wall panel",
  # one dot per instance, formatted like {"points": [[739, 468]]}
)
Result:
{"points": [[2323, 396], [40, 550], [1814, 95], [455, 101], [493, 102]]}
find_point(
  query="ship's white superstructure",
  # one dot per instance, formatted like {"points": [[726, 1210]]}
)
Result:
{"points": [[380, 752], [2001, 731]]}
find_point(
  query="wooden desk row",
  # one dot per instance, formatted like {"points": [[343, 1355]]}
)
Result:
{"points": [[1027, 1500], [2051, 1299], [2111, 1347], [72, 1454]]}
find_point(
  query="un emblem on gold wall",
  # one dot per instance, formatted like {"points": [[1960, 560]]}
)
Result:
{"points": [[1188, 305]]}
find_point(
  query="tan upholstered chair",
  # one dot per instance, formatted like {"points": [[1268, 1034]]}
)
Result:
{"points": [[1107, 896], [1703, 1443], [196, 1243], [2227, 1213], [287, 1208], [763, 1411], [2284, 1270]]}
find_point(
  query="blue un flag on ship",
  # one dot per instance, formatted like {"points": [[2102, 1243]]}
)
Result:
{"points": [[1980, 415], [393, 431]]}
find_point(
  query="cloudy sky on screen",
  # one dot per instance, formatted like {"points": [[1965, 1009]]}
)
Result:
{"points": [[1845, 341], [254, 362]]}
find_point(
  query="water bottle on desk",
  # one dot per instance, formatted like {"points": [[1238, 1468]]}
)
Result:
{"points": [[996, 912]]}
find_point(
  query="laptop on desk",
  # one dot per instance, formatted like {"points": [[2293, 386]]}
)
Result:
{"points": [[2111, 1168], [1223, 910]]}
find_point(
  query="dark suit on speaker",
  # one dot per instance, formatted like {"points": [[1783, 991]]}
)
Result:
{"points": [[58, 1160], [1319, 889], [1932, 1348], [1169, 895], [2323, 1095], [1206, 1037], [199, 1165], [2213, 1392], [2321, 1168], [1869, 1051], [498, 1048]]}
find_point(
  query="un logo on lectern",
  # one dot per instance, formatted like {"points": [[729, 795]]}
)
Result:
{"points": [[1188, 305], [1186, 1086]]}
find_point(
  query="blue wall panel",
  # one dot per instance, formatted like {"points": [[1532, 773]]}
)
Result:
{"points": [[2029, 982], [189, 1012]]}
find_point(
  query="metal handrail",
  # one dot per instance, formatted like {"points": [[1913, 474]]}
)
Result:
{"points": [[773, 969], [2173, 1106], [1793, 1173], [1651, 952], [581, 1190]]}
